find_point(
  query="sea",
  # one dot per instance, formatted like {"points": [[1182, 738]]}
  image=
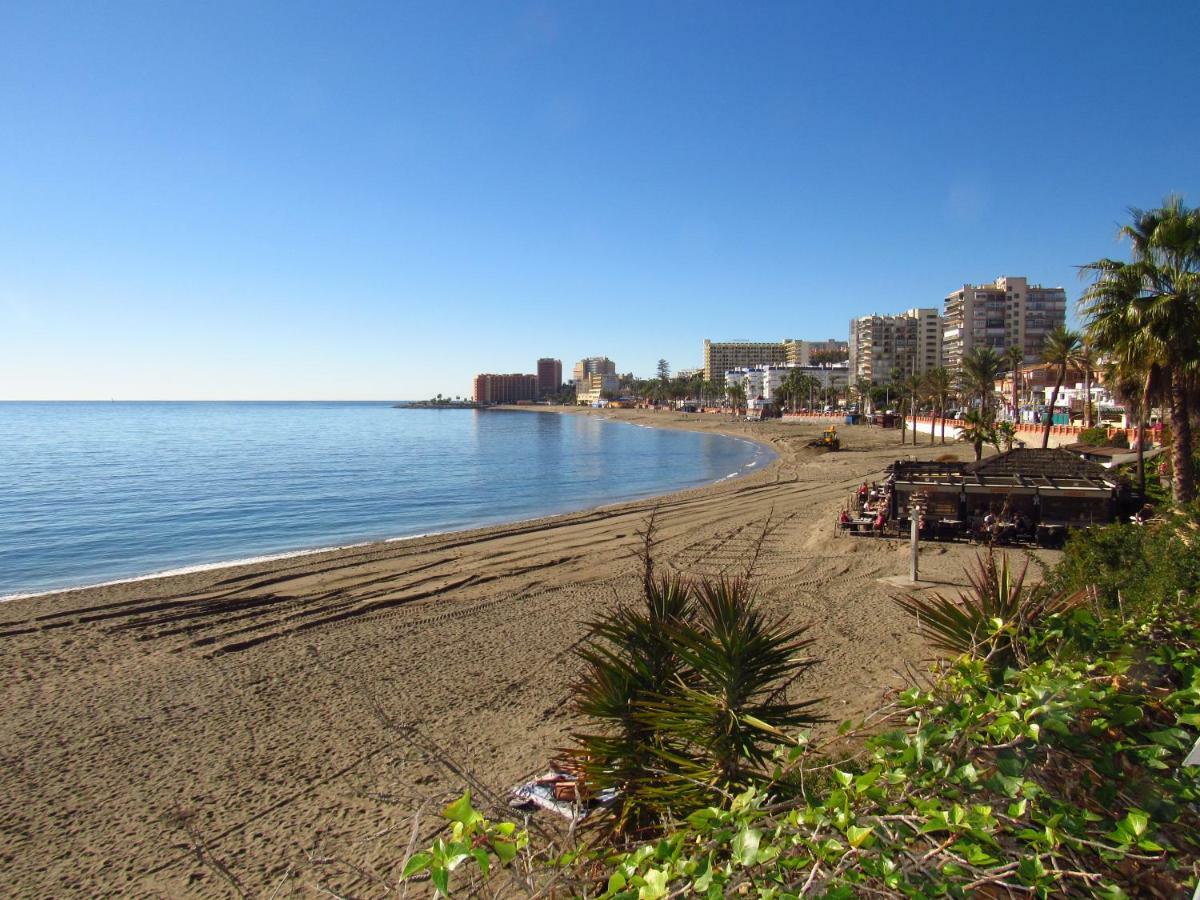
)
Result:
{"points": [[97, 492]]}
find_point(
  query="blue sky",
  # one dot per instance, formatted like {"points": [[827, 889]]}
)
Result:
{"points": [[346, 200]]}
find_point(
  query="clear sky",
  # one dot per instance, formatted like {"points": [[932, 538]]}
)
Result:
{"points": [[346, 200]]}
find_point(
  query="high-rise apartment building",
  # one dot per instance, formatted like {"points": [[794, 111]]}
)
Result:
{"points": [[594, 365], [884, 346], [1009, 312], [800, 353], [549, 376], [505, 388], [721, 356]]}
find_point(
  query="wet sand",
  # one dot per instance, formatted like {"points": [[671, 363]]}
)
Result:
{"points": [[274, 727]]}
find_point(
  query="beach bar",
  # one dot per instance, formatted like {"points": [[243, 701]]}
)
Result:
{"points": [[1046, 491]]}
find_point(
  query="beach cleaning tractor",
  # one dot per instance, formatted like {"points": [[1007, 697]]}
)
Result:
{"points": [[828, 439]]}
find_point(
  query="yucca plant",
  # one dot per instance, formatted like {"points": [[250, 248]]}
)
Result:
{"points": [[720, 724], [992, 620], [629, 659], [687, 697]]}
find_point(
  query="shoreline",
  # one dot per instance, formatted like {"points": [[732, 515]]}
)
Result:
{"points": [[309, 707], [283, 555]]}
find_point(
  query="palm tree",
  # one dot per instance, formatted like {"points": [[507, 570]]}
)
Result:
{"points": [[737, 396], [912, 389], [981, 366], [1134, 386], [1006, 432], [862, 388], [1014, 358], [1061, 350], [1086, 358], [1151, 307], [789, 388], [979, 428], [939, 385]]}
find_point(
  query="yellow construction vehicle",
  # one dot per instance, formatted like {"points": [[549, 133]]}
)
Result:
{"points": [[828, 439]]}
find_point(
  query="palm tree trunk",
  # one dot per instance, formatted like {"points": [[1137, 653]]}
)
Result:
{"points": [[1050, 411], [942, 412], [1087, 396], [1143, 415], [1016, 399], [1183, 485]]}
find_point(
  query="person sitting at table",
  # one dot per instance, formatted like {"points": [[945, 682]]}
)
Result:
{"points": [[988, 531], [844, 518], [880, 520], [862, 493], [1021, 524]]}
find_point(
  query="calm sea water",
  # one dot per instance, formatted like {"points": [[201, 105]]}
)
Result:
{"points": [[93, 492]]}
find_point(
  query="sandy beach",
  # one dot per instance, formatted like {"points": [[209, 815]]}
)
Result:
{"points": [[272, 728]]}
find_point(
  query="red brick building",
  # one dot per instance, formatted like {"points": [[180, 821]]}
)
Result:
{"points": [[549, 376], [505, 388]]}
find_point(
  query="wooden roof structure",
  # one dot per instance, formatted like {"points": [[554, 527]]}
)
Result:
{"points": [[1026, 470]]}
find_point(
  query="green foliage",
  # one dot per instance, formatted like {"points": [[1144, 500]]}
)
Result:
{"points": [[1134, 563], [1065, 779], [685, 697], [978, 428], [1006, 434], [472, 840], [993, 621], [1046, 759], [720, 718], [1098, 437], [630, 660]]}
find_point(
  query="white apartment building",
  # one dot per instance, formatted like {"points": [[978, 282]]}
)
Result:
{"points": [[761, 383], [885, 346], [1009, 312]]}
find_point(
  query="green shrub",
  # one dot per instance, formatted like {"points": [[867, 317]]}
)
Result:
{"points": [[992, 621], [1130, 564], [1094, 437]]}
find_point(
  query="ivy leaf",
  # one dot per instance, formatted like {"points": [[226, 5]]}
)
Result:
{"points": [[416, 863], [441, 880], [462, 811], [504, 850], [745, 846], [1135, 822], [655, 886], [856, 835]]}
